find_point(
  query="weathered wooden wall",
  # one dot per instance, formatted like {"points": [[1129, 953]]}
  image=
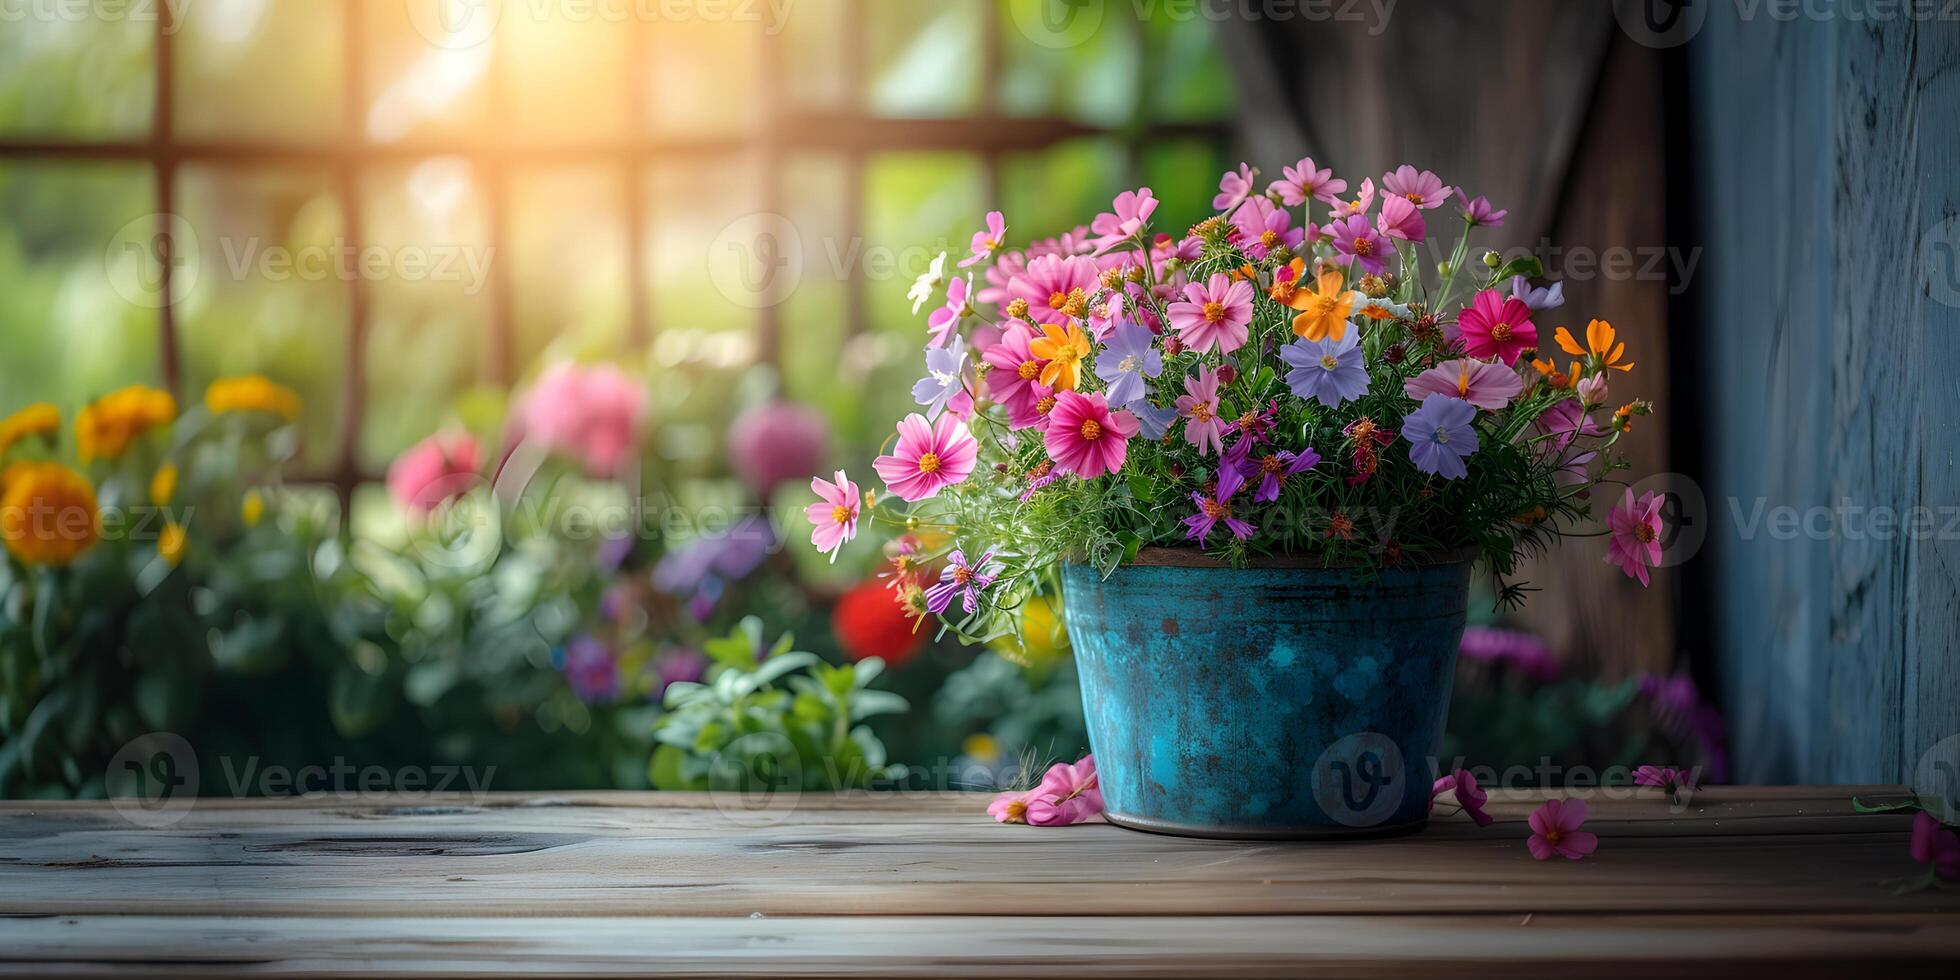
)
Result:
{"points": [[1827, 165]]}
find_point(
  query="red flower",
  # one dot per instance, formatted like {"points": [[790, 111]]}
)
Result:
{"points": [[869, 622]]}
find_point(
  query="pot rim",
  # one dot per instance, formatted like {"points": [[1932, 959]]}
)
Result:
{"points": [[1184, 556]]}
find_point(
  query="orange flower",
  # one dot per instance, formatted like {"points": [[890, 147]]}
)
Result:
{"points": [[1553, 376], [107, 427], [1064, 350], [1600, 346], [1286, 280], [47, 514], [1324, 310]]}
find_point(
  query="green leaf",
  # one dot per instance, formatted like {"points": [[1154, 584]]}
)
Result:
{"points": [[665, 770], [867, 671], [1903, 806], [869, 704], [1524, 265], [772, 669]]}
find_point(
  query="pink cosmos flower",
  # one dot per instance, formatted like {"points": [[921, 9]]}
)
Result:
{"points": [[1303, 182], [1355, 240], [945, 321], [592, 413], [1264, 226], [834, 517], [1199, 408], [988, 241], [1014, 368], [1086, 438], [1479, 213], [1424, 190], [1667, 778], [1360, 205], [999, 275], [1495, 325], [1484, 384], [1565, 422], [1936, 845], [1555, 830], [1463, 789], [435, 471], [776, 442], [1400, 219], [1075, 241], [1133, 210], [1053, 285], [929, 458], [1592, 391], [1166, 248], [1234, 187], [1067, 794], [1217, 314], [1636, 542]]}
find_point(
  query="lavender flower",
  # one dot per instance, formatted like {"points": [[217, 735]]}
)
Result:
{"points": [[945, 369], [1441, 437], [1130, 357], [1328, 371], [965, 580]]}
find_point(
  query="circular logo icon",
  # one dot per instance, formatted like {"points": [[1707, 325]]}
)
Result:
{"points": [[1660, 23], [1684, 515], [756, 260], [455, 24], [139, 253], [152, 781], [1359, 781], [1937, 779], [1939, 256], [461, 527], [755, 781], [1057, 24]]}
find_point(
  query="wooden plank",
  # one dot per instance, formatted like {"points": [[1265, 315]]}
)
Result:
{"points": [[657, 854]]}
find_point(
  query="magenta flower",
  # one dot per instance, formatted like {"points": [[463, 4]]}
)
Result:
{"points": [[590, 668], [591, 413], [1216, 314], [1668, 778], [987, 241], [1400, 219], [1068, 794], [435, 471], [834, 517], [1133, 210], [1302, 182], [945, 321], [1217, 508], [963, 579], [1057, 288], [1424, 190], [1264, 226], [1555, 830], [1441, 437], [1199, 407], [1015, 369], [1636, 542], [777, 442], [1000, 275], [1494, 325], [1463, 789], [1355, 240], [929, 458], [1479, 213], [1085, 438], [1360, 205], [1936, 845], [1233, 188], [1523, 652], [1481, 383]]}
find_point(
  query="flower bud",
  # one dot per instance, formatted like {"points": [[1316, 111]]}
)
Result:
{"points": [[1493, 259]]}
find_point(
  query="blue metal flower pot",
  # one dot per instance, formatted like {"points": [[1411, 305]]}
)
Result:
{"points": [[1284, 700]]}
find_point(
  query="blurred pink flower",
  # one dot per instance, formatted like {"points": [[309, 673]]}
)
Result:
{"points": [[593, 413], [777, 442], [1937, 845], [434, 471], [1668, 778], [1555, 830], [1463, 789]]}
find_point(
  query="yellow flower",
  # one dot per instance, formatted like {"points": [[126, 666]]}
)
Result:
{"points": [[105, 428], [163, 486], [1599, 346], [981, 747], [38, 419], [251, 393], [252, 508], [170, 543], [1324, 310], [47, 513], [1064, 350]]}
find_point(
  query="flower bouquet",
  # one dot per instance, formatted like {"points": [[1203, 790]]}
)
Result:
{"points": [[1269, 445]]}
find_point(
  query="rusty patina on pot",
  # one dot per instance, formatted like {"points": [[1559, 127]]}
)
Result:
{"points": [[1283, 700]]}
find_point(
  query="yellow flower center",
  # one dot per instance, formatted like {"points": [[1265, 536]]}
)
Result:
{"points": [[1045, 405], [1214, 312], [1645, 533], [929, 463], [842, 514], [1201, 412], [1500, 332], [1215, 510], [1029, 370], [1413, 197], [1269, 238], [962, 575], [1364, 246], [1330, 362], [1091, 429], [1076, 304], [1057, 300], [1272, 464]]}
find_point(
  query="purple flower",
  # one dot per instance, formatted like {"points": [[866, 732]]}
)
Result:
{"points": [[590, 669], [1130, 357], [1357, 241], [945, 377], [962, 579], [777, 442], [1668, 778], [1329, 371], [1153, 422], [1218, 508], [676, 666], [1275, 468], [1479, 212], [700, 568], [1523, 652], [1550, 298], [1441, 437]]}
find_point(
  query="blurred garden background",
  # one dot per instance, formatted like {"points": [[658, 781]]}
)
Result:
{"points": [[600, 286]]}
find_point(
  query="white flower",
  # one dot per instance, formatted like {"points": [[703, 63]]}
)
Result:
{"points": [[927, 284]]}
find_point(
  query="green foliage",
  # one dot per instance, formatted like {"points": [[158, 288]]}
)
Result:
{"points": [[773, 718]]}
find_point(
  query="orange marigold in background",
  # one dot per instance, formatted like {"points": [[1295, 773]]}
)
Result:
{"points": [[38, 419], [252, 393], [47, 513], [106, 427]]}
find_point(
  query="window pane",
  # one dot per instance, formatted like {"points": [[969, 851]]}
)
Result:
{"points": [[1189, 79], [429, 323], [925, 58], [268, 291], [424, 81], [701, 76], [917, 205], [75, 320], [1184, 175], [814, 60], [702, 268], [567, 263], [1052, 191], [256, 69], [1092, 79], [564, 72], [83, 76], [819, 366]]}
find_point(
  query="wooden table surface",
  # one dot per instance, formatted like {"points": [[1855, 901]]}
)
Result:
{"points": [[626, 883]]}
